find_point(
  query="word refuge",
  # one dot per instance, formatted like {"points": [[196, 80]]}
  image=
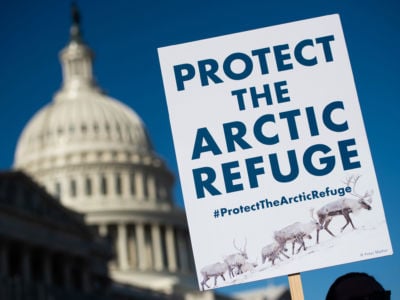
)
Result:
{"points": [[316, 159]]}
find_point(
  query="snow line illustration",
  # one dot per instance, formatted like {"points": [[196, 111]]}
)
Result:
{"points": [[265, 204], [293, 234]]}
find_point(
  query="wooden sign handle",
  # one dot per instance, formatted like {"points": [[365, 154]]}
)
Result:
{"points": [[296, 288]]}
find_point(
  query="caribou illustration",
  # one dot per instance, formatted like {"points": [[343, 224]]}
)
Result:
{"points": [[214, 270], [344, 206], [272, 252], [236, 260], [249, 266], [296, 233]]}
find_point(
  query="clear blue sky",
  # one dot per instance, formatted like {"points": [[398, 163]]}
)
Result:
{"points": [[125, 36]]}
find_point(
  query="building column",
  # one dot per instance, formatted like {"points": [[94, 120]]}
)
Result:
{"points": [[3, 260], [47, 269], [86, 279], [103, 231], [171, 251], [141, 246], [156, 241], [132, 248], [122, 247], [26, 264], [67, 272]]}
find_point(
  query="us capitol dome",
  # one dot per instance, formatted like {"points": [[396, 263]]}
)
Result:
{"points": [[93, 153]]}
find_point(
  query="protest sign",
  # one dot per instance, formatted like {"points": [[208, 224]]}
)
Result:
{"points": [[272, 152]]}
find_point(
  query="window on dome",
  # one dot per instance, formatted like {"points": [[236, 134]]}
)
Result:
{"points": [[145, 185], [60, 131], [72, 188], [132, 183], [118, 131], [118, 184], [84, 128], [88, 186], [107, 128], [57, 190], [103, 185]]}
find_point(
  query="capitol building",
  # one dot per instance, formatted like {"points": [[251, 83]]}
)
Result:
{"points": [[93, 154]]}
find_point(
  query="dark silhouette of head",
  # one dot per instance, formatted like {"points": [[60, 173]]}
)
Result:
{"points": [[357, 286]]}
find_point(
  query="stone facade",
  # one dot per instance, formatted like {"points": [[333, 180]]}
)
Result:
{"points": [[46, 250]]}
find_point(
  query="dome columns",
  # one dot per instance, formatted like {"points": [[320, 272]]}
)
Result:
{"points": [[156, 238], [171, 251], [141, 247], [148, 246], [122, 247]]}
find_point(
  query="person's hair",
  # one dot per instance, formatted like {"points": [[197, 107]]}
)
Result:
{"points": [[357, 286]]}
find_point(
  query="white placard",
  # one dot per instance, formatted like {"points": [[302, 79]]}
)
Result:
{"points": [[271, 150]]}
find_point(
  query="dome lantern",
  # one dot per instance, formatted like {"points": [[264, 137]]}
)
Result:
{"points": [[76, 59]]}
